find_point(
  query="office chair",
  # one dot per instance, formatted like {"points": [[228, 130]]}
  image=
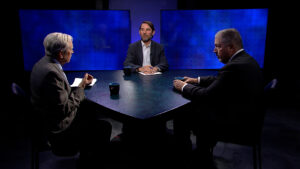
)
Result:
{"points": [[253, 136], [38, 142], [247, 137], [38, 139]]}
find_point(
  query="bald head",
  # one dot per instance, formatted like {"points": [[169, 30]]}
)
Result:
{"points": [[227, 43], [230, 37]]}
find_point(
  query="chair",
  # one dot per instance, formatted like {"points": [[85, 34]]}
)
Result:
{"points": [[38, 140], [248, 138], [253, 137]]}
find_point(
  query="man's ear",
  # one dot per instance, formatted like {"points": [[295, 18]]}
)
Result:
{"points": [[153, 32], [60, 55], [232, 47]]}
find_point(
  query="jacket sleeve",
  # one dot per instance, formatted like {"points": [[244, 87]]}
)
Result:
{"points": [[206, 80], [162, 63], [61, 99], [132, 58], [214, 86]]}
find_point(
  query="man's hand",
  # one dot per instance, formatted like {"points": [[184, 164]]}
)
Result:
{"points": [[155, 69], [86, 80], [148, 69], [178, 84], [190, 80]]}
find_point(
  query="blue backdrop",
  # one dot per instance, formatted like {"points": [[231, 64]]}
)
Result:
{"points": [[100, 38], [188, 35]]}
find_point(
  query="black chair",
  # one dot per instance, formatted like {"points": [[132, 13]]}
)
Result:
{"points": [[252, 137], [247, 137], [38, 142], [38, 139]]}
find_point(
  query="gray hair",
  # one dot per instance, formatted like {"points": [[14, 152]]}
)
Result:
{"points": [[231, 36], [56, 42]]}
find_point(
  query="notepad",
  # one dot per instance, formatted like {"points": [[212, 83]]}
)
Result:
{"points": [[156, 73], [78, 80]]}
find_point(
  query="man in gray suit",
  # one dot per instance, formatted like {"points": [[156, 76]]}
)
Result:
{"points": [[67, 120], [146, 55]]}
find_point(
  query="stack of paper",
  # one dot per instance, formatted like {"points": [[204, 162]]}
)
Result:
{"points": [[156, 73], [78, 80]]}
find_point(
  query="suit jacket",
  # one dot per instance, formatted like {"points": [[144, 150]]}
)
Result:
{"points": [[234, 93], [135, 56], [52, 95]]}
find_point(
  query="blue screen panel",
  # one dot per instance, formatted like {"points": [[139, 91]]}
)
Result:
{"points": [[100, 38], [188, 35]]}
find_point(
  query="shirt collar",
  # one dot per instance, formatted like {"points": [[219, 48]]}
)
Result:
{"points": [[58, 64], [143, 44], [237, 52]]}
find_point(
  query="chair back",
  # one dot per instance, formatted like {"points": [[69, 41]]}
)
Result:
{"points": [[38, 138], [17, 90], [252, 135]]}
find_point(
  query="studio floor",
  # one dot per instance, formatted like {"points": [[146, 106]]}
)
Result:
{"points": [[280, 147]]}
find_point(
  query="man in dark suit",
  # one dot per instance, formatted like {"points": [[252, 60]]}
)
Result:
{"points": [[146, 55], [68, 122], [223, 103]]}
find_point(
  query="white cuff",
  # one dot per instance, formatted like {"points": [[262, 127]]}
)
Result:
{"points": [[158, 68], [183, 87]]}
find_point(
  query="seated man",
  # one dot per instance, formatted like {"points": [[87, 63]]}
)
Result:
{"points": [[146, 55], [223, 103], [68, 120]]}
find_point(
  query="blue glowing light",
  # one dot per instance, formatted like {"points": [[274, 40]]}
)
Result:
{"points": [[101, 37], [188, 35]]}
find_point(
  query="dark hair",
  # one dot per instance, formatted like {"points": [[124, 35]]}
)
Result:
{"points": [[148, 23]]}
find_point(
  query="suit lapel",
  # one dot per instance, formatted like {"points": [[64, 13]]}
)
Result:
{"points": [[140, 53], [151, 53], [61, 72], [240, 54]]}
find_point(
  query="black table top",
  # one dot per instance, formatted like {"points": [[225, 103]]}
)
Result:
{"points": [[140, 96]]}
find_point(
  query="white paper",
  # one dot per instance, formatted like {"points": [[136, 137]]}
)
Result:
{"points": [[78, 80], [156, 73]]}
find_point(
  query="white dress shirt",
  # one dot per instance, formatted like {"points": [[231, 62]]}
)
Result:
{"points": [[146, 54]]}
